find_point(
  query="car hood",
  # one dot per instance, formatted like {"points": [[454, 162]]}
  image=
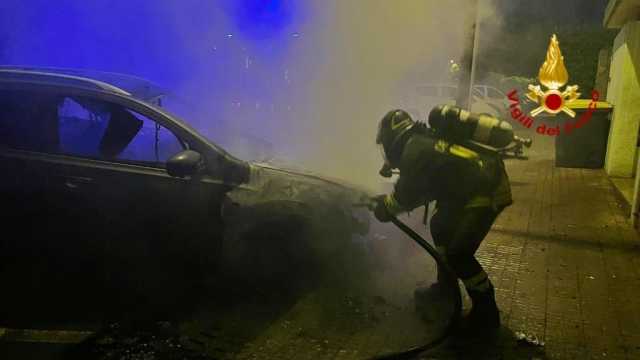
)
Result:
{"points": [[268, 183]]}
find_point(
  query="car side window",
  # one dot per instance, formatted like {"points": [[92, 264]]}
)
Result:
{"points": [[83, 127], [90, 128], [479, 92], [28, 121], [152, 143]]}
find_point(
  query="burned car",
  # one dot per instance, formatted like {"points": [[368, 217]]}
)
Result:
{"points": [[101, 180]]}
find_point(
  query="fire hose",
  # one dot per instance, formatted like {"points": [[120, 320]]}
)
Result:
{"points": [[452, 282]]}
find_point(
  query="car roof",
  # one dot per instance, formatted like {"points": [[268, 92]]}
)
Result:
{"points": [[117, 83]]}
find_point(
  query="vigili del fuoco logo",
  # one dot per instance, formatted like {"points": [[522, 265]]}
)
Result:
{"points": [[553, 76]]}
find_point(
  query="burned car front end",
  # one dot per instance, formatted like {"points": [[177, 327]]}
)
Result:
{"points": [[282, 223]]}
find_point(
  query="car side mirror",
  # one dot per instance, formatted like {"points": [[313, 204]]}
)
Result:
{"points": [[184, 164]]}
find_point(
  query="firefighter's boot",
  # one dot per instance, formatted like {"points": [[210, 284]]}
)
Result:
{"points": [[484, 311]]}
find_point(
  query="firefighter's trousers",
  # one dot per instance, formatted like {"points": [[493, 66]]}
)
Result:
{"points": [[457, 232]]}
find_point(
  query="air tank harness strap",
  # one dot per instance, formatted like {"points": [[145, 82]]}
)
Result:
{"points": [[459, 151]]}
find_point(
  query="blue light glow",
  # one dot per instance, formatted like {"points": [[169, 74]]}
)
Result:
{"points": [[212, 52], [262, 19]]}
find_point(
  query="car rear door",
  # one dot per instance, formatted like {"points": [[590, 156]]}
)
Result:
{"points": [[27, 132]]}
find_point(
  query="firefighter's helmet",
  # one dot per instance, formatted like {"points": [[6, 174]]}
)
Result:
{"points": [[391, 130]]}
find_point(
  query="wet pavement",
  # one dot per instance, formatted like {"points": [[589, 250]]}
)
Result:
{"points": [[566, 265]]}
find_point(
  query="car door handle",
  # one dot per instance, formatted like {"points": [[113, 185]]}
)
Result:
{"points": [[74, 182]]}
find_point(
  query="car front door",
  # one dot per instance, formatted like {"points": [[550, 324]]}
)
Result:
{"points": [[159, 231]]}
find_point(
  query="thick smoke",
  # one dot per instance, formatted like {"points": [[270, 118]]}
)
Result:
{"points": [[367, 58], [310, 78]]}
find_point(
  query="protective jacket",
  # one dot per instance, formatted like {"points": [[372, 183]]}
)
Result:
{"points": [[451, 174]]}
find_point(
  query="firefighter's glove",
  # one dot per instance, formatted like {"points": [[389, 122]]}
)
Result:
{"points": [[380, 210]]}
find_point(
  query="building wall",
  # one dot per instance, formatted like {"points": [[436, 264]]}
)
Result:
{"points": [[602, 74], [624, 93]]}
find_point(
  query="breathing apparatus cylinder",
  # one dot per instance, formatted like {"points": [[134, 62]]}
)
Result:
{"points": [[459, 125]]}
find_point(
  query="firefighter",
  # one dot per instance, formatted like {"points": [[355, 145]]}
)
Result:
{"points": [[470, 189]]}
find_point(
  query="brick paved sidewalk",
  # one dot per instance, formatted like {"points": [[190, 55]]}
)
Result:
{"points": [[566, 264]]}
